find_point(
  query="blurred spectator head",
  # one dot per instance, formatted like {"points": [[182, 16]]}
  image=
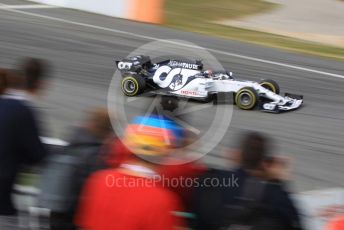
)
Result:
{"points": [[98, 123], [254, 150], [152, 137], [3, 81], [257, 159], [34, 72]]}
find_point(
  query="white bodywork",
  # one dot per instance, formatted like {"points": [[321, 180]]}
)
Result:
{"points": [[194, 84]]}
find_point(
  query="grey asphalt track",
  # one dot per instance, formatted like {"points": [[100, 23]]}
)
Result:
{"points": [[82, 60]]}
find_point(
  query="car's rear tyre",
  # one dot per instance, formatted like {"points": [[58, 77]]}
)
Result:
{"points": [[246, 98], [133, 85], [270, 85]]}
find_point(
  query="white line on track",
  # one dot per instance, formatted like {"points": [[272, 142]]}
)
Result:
{"points": [[32, 6], [175, 43]]}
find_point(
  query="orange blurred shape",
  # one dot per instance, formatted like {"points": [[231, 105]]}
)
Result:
{"points": [[158, 134], [150, 11], [336, 224], [148, 140]]}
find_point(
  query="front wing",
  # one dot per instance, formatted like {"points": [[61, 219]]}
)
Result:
{"points": [[294, 102]]}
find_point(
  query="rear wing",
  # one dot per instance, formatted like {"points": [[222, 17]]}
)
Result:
{"points": [[134, 63]]}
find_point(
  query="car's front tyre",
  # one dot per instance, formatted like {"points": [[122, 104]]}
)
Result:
{"points": [[270, 85], [246, 98], [133, 85]]}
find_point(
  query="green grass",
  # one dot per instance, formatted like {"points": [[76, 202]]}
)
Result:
{"points": [[180, 12], [201, 16]]}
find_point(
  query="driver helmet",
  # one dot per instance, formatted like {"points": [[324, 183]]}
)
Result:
{"points": [[208, 73]]}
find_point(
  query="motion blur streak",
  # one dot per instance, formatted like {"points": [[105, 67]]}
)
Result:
{"points": [[83, 61], [177, 43]]}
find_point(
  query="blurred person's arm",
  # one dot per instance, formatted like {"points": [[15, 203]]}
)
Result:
{"points": [[29, 141]]}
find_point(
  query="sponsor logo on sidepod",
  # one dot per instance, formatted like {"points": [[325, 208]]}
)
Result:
{"points": [[183, 65]]}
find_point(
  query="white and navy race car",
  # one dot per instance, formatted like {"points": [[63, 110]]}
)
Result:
{"points": [[190, 80]]}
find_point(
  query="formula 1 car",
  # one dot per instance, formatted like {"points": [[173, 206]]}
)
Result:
{"points": [[187, 79]]}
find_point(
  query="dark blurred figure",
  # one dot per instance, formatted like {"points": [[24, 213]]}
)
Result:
{"points": [[33, 69], [255, 198], [29, 80], [19, 134], [131, 196], [65, 172]]}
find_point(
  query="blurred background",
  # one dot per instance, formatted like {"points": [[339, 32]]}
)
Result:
{"points": [[300, 44]]}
